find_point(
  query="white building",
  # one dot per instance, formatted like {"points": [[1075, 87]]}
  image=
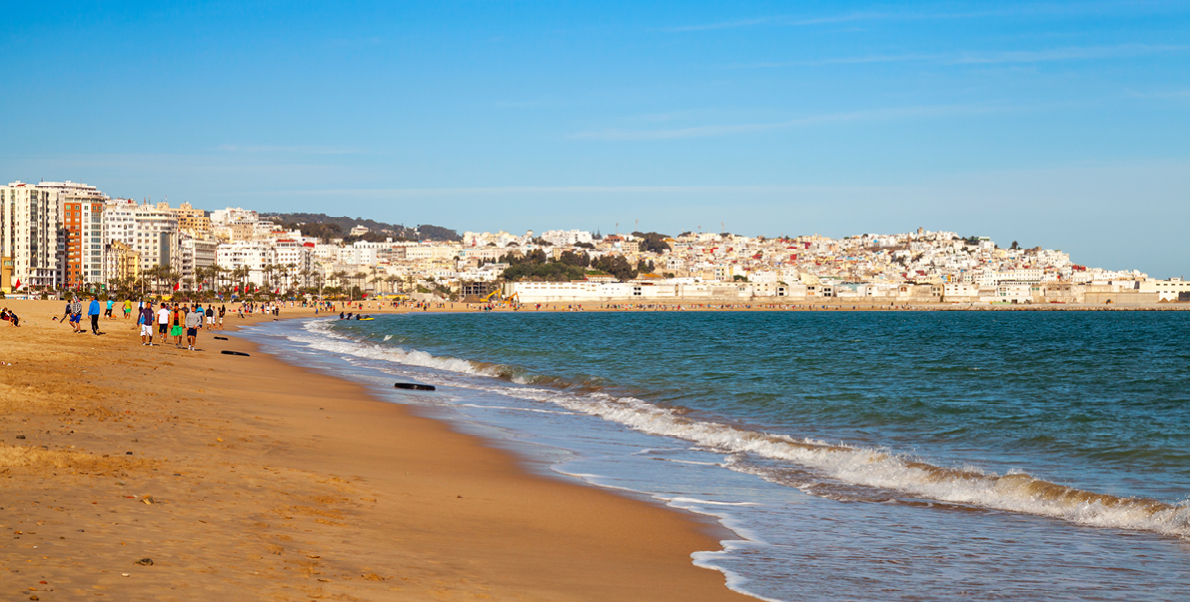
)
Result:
{"points": [[29, 222], [567, 238], [196, 253], [285, 256], [149, 231]]}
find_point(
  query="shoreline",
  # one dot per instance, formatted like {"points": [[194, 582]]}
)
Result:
{"points": [[134, 453]]}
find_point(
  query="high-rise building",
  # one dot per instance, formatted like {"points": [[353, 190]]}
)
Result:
{"points": [[190, 220], [82, 221], [121, 262], [150, 232], [28, 236], [196, 254], [80, 241]]}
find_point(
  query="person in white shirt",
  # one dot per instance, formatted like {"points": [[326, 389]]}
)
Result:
{"points": [[163, 322]]}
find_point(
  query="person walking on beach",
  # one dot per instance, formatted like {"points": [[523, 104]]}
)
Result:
{"points": [[108, 311], [93, 312], [145, 319], [193, 323], [163, 322], [127, 308], [222, 312], [210, 316], [76, 314], [177, 316]]}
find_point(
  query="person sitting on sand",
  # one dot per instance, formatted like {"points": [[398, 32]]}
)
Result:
{"points": [[8, 316]]}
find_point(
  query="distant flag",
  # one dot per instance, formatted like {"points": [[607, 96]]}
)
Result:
{"points": [[18, 284], [177, 286], [278, 291]]}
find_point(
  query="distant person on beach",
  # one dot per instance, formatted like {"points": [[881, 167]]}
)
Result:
{"points": [[222, 311], [8, 316], [127, 308], [107, 313], [163, 322], [145, 320], [194, 321], [76, 314], [176, 318], [210, 315], [93, 312]]}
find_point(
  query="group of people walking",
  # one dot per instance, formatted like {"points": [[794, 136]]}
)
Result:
{"points": [[74, 314], [173, 321]]}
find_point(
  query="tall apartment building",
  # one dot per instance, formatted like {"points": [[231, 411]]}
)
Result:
{"points": [[82, 222], [293, 255], [28, 236], [150, 232], [196, 253], [120, 261], [190, 220], [80, 235]]}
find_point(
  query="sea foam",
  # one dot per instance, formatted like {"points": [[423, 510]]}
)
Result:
{"points": [[851, 465]]}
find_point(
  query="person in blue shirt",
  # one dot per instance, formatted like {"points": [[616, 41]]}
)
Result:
{"points": [[93, 311]]}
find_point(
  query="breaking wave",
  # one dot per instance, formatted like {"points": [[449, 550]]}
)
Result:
{"points": [[814, 466]]}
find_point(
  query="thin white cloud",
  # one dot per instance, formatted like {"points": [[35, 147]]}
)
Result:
{"points": [[555, 190], [703, 131], [722, 25], [1075, 53], [1065, 54], [296, 150], [1132, 7], [1163, 95]]}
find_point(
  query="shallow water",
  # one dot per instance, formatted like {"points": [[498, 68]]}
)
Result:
{"points": [[859, 455]]}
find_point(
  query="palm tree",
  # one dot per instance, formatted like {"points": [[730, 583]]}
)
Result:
{"points": [[339, 277], [361, 278]]}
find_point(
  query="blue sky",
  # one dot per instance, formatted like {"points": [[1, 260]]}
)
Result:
{"points": [[1065, 125]]}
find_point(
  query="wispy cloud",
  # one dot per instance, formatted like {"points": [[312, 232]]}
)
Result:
{"points": [[1075, 53], [1044, 8], [294, 150], [1162, 95], [1066, 54], [704, 131], [783, 21], [561, 190]]}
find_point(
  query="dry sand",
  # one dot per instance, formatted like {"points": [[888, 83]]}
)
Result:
{"points": [[244, 478]]}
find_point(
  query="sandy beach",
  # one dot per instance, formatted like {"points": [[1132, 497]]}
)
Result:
{"points": [[155, 473]]}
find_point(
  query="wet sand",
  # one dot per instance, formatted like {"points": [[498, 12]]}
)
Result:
{"points": [[248, 478]]}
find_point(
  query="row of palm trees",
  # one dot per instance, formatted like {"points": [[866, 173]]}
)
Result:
{"points": [[160, 280]]}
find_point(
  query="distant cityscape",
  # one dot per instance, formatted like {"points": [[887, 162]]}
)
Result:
{"points": [[66, 236]]}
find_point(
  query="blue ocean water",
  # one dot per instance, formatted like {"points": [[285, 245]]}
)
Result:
{"points": [[858, 455]]}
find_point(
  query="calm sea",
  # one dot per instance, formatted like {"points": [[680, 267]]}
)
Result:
{"points": [[857, 455]]}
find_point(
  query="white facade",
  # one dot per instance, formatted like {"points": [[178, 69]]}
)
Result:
{"points": [[294, 256], [592, 291], [29, 222], [145, 229], [229, 216], [196, 253], [567, 238]]}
